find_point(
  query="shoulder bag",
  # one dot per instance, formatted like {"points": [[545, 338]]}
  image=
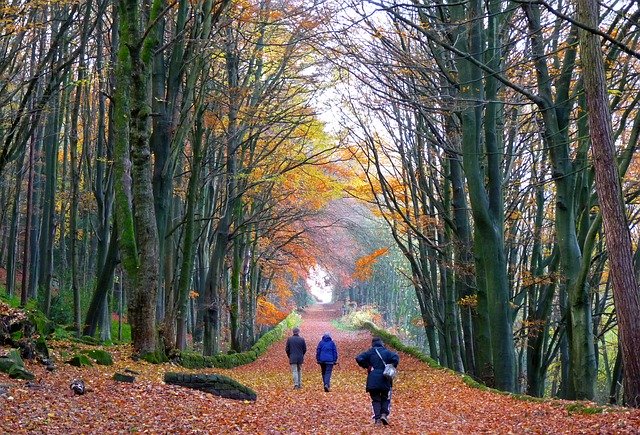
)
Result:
{"points": [[390, 371]]}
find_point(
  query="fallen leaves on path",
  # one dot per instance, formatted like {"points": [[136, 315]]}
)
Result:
{"points": [[424, 401]]}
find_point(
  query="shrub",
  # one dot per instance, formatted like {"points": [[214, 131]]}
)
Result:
{"points": [[357, 318]]}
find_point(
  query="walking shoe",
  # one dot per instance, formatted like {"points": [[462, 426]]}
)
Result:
{"points": [[376, 422], [326, 388], [384, 418]]}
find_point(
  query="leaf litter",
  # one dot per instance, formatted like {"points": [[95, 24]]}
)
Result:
{"points": [[425, 400]]}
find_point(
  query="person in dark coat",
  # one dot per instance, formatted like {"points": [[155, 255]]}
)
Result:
{"points": [[296, 348], [327, 357], [378, 386]]}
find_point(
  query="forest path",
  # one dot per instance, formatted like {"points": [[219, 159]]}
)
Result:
{"points": [[425, 400]]}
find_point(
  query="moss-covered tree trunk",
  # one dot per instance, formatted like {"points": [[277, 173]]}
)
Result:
{"points": [[134, 191]]}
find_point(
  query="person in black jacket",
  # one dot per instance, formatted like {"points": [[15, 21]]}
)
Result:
{"points": [[296, 348], [378, 386]]}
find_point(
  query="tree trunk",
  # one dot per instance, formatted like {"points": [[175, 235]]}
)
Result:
{"points": [[138, 232], [24, 295], [616, 228]]}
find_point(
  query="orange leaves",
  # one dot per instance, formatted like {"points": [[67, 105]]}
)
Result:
{"points": [[529, 280], [364, 265], [268, 314]]}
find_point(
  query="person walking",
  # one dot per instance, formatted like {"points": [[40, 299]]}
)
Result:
{"points": [[327, 357], [296, 348], [378, 386]]}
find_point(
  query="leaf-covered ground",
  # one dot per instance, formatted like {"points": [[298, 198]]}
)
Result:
{"points": [[425, 400]]}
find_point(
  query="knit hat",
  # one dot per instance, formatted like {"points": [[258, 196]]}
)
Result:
{"points": [[295, 330], [376, 341]]}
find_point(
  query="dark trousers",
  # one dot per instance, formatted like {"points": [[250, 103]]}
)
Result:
{"points": [[380, 402], [326, 369]]}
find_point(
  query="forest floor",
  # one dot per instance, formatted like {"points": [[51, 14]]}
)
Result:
{"points": [[425, 400]]}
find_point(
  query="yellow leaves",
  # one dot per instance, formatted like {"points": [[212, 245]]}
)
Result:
{"points": [[364, 265], [470, 301], [417, 321], [514, 215], [428, 221]]}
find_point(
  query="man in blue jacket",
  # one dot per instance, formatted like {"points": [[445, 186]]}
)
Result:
{"points": [[296, 348], [327, 357], [378, 386]]}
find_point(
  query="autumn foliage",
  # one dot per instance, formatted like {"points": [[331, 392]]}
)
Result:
{"points": [[364, 265], [268, 314]]}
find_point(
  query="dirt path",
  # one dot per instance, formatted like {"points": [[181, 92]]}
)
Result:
{"points": [[425, 400]]}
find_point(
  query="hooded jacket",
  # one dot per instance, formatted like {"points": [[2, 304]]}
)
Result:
{"points": [[326, 352], [375, 366]]}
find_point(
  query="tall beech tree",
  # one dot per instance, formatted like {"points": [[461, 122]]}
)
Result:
{"points": [[138, 232]]}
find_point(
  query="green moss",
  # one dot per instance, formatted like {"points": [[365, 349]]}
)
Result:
{"points": [[43, 325], [581, 408], [80, 360], [525, 398], [395, 342], [101, 357], [41, 347], [157, 357], [343, 326], [61, 333], [13, 365], [468, 380], [12, 301]]}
